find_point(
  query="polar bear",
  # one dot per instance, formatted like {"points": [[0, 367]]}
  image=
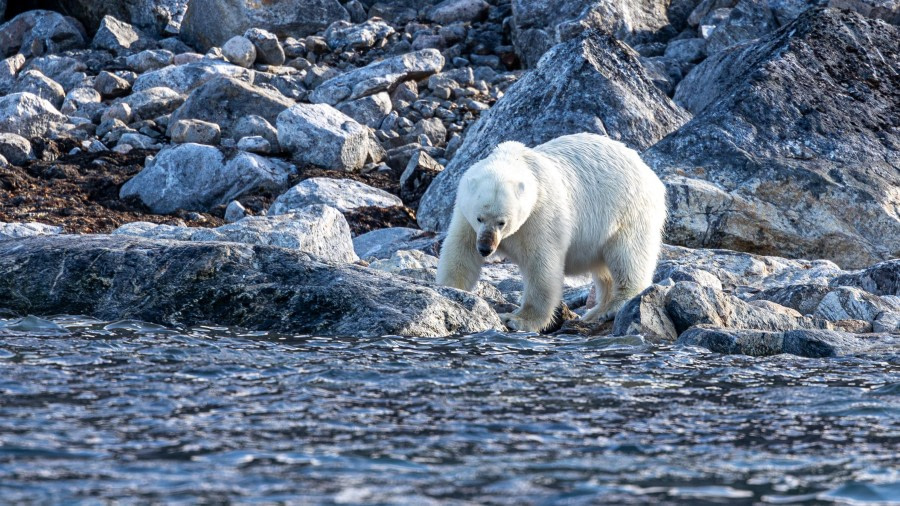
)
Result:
{"points": [[578, 203]]}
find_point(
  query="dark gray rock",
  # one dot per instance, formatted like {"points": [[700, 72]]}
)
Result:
{"points": [[268, 48], [254, 287], [110, 85], [646, 315], [209, 23], [881, 279], [343, 35], [154, 16], [35, 82], [805, 343], [225, 101], [119, 37], [150, 103], [15, 148], [749, 20], [794, 148], [184, 78], [804, 298], [38, 32], [593, 84], [849, 303], [384, 242], [197, 178]]}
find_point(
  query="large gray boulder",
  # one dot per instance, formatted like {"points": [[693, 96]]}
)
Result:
{"points": [[28, 115], [378, 76], [153, 102], [591, 84], [318, 230], [119, 37], [210, 23], [793, 149], [184, 78], [37, 32], [323, 136], [805, 343], [225, 101], [197, 177], [154, 16], [249, 286], [540, 24], [341, 194]]}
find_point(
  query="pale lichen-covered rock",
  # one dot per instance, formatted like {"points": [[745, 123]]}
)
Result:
{"points": [[209, 23], [195, 131], [28, 115], [184, 78], [323, 136], [594, 84], [378, 76], [15, 148], [248, 286], [793, 146], [197, 177], [318, 230], [240, 51], [226, 101], [20, 230], [118, 37], [341, 194], [153, 102]]}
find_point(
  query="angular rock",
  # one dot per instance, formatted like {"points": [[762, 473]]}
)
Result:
{"points": [[209, 23], [110, 85], [234, 212], [150, 59], [38, 32], [848, 303], [155, 16], [118, 37], [646, 315], [451, 11], [323, 136], [8, 70], [240, 51], [804, 298], [256, 144], [65, 70], [254, 287], [15, 148], [417, 177], [268, 48], [20, 230], [405, 260], [805, 343], [197, 178], [153, 102], [382, 243], [345, 35], [881, 279], [369, 110], [793, 149], [195, 131], [225, 101], [539, 24], [28, 115], [253, 125], [378, 76], [33, 81], [689, 304], [594, 84], [78, 98], [184, 78], [341, 194], [318, 230]]}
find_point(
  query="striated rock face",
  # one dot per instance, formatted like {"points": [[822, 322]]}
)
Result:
{"points": [[197, 177], [210, 23], [540, 24], [794, 148], [254, 287], [594, 84], [318, 230], [226, 101]]}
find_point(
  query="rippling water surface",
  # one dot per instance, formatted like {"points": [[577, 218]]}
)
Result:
{"points": [[135, 412]]}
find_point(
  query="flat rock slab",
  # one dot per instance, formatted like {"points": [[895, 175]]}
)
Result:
{"points": [[805, 343], [253, 287], [341, 194]]}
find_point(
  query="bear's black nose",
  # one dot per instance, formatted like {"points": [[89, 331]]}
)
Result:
{"points": [[485, 250]]}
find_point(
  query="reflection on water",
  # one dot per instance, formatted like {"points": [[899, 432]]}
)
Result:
{"points": [[129, 410]]}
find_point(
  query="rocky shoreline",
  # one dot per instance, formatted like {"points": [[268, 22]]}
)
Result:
{"points": [[226, 164]]}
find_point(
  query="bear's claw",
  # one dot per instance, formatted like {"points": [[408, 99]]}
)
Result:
{"points": [[516, 322]]}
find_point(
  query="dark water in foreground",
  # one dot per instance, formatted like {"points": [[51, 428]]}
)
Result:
{"points": [[93, 411]]}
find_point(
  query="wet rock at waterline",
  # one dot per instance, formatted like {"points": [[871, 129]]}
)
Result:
{"points": [[253, 287]]}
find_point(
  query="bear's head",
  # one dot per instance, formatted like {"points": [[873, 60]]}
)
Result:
{"points": [[497, 195]]}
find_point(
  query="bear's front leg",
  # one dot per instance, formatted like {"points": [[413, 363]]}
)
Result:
{"points": [[543, 290], [460, 263]]}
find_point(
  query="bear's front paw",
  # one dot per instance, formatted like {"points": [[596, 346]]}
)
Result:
{"points": [[516, 322]]}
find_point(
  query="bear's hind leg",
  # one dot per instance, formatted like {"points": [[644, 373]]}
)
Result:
{"points": [[631, 260], [603, 291]]}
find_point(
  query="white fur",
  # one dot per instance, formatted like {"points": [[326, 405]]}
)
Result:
{"points": [[579, 203]]}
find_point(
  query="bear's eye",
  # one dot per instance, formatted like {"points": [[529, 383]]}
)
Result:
{"points": [[502, 223], [480, 220]]}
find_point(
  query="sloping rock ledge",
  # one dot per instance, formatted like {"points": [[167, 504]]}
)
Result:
{"points": [[250, 286]]}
